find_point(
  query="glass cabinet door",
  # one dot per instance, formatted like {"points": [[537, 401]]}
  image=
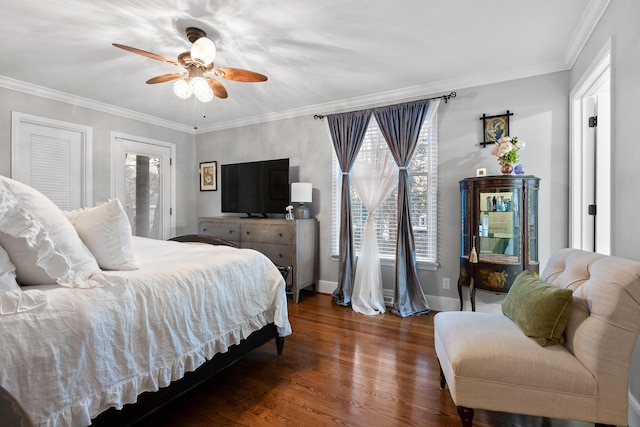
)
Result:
{"points": [[532, 218], [465, 226], [499, 226]]}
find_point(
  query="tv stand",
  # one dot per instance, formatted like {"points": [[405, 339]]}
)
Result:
{"points": [[261, 215], [283, 241]]}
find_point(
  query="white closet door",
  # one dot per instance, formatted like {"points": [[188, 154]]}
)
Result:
{"points": [[52, 157]]}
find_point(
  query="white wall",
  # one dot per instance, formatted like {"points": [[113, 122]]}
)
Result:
{"points": [[103, 124], [620, 23], [540, 107]]}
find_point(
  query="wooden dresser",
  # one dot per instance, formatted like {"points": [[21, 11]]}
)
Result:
{"points": [[285, 242]]}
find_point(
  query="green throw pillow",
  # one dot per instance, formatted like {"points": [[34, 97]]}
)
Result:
{"points": [[541, 310]]}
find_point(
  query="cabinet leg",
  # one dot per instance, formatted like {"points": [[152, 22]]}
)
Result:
{"points": [[472, 292], [460, 294]]}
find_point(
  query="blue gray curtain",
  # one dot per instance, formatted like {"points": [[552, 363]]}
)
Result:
{"points": [[400, 124], [347, 132]]}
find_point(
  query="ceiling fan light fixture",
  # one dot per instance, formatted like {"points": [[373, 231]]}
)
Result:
{"points": [[182, 89], [203, 51], [201, 89]]}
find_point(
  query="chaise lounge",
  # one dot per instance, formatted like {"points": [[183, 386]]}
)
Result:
{"points": [[489, 363]]}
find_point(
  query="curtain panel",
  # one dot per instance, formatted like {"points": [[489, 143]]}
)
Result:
{"points": [[347, 133], [400, 124], [374, 178]]}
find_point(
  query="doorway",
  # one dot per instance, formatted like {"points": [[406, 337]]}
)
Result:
{"points": [[144, 181], [590, 157]]}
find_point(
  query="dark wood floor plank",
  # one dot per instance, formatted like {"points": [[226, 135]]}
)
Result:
{"points": [[339, 368]]}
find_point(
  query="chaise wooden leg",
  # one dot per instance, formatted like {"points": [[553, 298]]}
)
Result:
{"points": [[443, 380], [466, 416]]}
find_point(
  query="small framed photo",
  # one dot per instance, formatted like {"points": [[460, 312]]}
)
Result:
{"points": [[494, 127], [208, 176], [481, 172]]}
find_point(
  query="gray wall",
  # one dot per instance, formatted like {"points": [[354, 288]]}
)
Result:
{"points": [[103, 124], [620, 23], [540, 118]]}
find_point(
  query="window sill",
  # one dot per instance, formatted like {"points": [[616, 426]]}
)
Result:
{"points": [[384, 261]]}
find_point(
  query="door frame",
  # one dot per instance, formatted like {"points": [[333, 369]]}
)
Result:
{"points": [[19, 119], [115, 181], [597, 75]]}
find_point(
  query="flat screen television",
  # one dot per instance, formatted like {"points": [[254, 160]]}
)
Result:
{"points": [[255, 187]]}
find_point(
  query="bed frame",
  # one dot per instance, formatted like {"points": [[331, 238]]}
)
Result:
{"points": [[151, 401]]}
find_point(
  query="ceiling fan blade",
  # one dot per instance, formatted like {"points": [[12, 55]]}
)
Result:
{"points": [[145, 53], [239, 75], [165, 78], [217, 88]]}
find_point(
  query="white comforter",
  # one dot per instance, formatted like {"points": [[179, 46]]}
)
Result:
{"points": [[86, 350]]}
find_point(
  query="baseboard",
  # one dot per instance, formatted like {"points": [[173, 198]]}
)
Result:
{"points": [[436, 303], [326, 287]]}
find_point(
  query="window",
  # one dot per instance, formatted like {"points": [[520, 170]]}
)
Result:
{"points": [[423, 193]]}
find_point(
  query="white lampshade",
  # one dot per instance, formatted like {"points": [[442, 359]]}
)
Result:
{"points": [[203, 51], [301, 192]]}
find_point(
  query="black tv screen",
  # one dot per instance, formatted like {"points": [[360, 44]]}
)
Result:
{"points": [[255, 187]]}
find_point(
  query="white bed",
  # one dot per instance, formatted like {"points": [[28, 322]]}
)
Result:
{"points": [[70, 352]]}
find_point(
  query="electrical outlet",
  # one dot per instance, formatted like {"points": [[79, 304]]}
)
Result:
{"points": [[446, 284]]}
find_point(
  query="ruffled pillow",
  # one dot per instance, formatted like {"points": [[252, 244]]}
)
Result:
{"points": [[42, 243], [106, 231], [7, 273]]}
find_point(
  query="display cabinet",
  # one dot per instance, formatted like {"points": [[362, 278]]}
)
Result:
{"points": [[499, 232]]}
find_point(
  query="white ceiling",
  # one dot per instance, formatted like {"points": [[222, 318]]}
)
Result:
{"points": [[320, 56]]}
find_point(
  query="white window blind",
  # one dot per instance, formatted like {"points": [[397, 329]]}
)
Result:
{"points": [[423, 193]]}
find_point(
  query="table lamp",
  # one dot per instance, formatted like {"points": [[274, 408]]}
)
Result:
{"points": [[301, 194]]}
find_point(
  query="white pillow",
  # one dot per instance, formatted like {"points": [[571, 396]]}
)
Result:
{"points": [[7, 273], [106, 231], [41, 242]]}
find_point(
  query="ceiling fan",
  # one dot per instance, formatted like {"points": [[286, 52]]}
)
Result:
{"points": [[197, 62]]}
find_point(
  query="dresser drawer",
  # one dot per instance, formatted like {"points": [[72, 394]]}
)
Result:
{"points": [[279, 254], [271, 233], [227, 230]]}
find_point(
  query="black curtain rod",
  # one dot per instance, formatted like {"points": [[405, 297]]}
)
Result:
{"points": [[445, 97]]}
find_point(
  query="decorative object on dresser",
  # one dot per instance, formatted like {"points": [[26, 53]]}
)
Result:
{"points": [[285, 242], [301, 193], [499, 221]]}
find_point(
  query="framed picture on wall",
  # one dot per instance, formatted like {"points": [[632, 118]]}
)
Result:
{"points": [[208, 176], [494, 127]]}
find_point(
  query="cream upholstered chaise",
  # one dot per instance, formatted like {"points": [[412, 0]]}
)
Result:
{"points": [[489, 363]]}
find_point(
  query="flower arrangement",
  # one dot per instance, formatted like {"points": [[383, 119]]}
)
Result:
{"points": [[506, 149]]}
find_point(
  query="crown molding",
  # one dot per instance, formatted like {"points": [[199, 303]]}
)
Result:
{"points": [[390, 97], [350, 104], [55, 95], [586, 25]]}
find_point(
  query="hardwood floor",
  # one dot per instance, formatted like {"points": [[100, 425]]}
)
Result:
{"points": [[339, 368]]}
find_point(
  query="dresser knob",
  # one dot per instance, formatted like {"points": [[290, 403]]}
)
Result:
{"points": [[280, 234]]}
